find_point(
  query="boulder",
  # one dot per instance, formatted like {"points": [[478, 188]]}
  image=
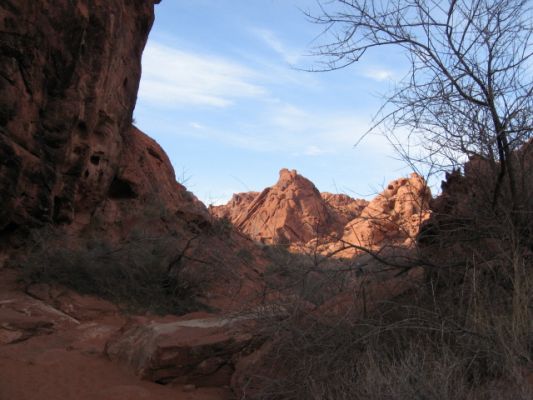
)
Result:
{"points": [[393, 217], [198, 351]]}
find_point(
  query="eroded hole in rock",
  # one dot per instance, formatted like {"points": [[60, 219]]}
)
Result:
{"points": [[86, 174], [9, 228], [95, 159], [82, 126], [121, 189]]}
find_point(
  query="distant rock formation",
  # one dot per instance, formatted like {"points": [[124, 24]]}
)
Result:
{"points": [[293, 212], [233, 209], [392, 217], [344, 206]]}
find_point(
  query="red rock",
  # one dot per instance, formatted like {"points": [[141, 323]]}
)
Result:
{"points": [[393, 217], [144, 194], [235, 207], [68, 89], [69, 154], [198, 351], [46, 354], [291, 211], [347, 208]]}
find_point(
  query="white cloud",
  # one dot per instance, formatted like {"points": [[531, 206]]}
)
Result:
{"points": [[379, 74], [177, 78], [196, 125], [313, 150], [289, 55]]}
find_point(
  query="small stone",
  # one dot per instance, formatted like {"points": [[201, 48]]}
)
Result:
{"points": [[189, 388]]}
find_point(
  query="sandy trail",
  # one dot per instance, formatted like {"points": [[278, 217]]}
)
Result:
{"points": [[67, 361]]}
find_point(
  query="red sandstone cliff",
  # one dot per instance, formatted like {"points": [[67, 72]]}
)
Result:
{"points": [[68, 87]]}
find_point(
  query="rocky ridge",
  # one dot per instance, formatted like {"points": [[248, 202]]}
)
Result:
{"points": [[69, 155], [293, 212]]}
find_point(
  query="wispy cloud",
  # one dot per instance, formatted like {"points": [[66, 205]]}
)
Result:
{"points": [[290, 129], [176, 78], [196, 125], [289, 55], [313, 150], [379, 74]]}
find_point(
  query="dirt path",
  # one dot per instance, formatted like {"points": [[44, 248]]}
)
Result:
{"points": [[49, 354]]}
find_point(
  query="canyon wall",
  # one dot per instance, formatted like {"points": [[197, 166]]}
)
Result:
{"points": [[69, 75]]}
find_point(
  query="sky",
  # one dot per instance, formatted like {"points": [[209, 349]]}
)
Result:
{"points": [[225, 92]]}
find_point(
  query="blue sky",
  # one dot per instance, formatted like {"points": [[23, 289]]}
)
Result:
{"points": [[221, 92]]}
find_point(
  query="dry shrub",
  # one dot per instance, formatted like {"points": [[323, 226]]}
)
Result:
{"points": [[135, 273], [407, 349], [465, 333], [310, 277]]}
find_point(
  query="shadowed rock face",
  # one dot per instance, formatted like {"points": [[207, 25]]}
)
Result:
{"points": [[344, 206], [69, 74]]}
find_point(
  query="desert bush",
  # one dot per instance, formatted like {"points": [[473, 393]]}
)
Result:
{"points": [[416, 348], [312, 277], [465, 333], [135, 274]]}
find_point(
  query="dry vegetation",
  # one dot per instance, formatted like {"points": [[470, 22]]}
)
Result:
{"points": [[464, 333], [135, 274]]}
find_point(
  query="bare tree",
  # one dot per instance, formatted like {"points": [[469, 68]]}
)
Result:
{"points": [[469, 88]]}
